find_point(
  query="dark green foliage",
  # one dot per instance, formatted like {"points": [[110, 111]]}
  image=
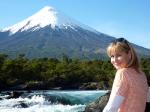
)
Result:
{"points": [[145, 65], [63, 73]]}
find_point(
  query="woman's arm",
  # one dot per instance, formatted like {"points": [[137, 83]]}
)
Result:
{"points": [[119, 91], [114, 103]]}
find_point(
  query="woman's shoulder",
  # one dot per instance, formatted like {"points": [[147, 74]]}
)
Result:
{"points": [[123, 70], [127, 70], [130, 71]]}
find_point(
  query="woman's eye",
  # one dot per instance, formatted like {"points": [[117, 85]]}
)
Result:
{"points": [[118, 55]]}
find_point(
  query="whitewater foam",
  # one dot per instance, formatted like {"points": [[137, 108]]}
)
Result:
{"points": [[41, 101]]}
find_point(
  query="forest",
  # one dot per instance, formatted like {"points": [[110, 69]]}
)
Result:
{"points": [[65, 73]]}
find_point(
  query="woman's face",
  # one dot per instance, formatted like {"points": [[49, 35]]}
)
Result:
{"points": [[120, 59]]}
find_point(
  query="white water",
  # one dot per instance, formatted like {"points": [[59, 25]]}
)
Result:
{"points": [[37, 102]]}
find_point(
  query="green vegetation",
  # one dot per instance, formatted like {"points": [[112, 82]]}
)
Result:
{"points": [[51, 72]]}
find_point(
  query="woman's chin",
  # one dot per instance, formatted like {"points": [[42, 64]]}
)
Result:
{"points": [[117, 67]]}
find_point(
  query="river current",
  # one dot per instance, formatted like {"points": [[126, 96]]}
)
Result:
{"points": [[49, 101]]}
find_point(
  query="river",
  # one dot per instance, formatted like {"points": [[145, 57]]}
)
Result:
{"points": [[49, 101]]}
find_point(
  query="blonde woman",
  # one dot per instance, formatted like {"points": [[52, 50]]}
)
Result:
{"points": [[130, 88]]}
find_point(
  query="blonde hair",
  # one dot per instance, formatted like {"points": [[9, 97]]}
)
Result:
{"points": [[122, 45]]}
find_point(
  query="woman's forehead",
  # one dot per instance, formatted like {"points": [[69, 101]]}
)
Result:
{"points": [[115, 49], [116, 52]]}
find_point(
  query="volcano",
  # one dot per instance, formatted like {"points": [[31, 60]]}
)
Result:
{"points": [[50, 33]]}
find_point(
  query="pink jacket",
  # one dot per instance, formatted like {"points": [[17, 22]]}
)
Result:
{"points": [[133, 87]]}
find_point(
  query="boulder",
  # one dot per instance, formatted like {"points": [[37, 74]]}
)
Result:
{"points": [[99, 104], [90, 86], [14, 94]]}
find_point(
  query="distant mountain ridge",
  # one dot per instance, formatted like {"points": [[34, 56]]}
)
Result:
{"points": [[49, 33]]}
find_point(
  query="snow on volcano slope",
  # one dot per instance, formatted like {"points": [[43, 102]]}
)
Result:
{"points": [[46, 16], [43, 18]]}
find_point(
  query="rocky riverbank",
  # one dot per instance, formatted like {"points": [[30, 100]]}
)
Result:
{"points": [[99, 104], [38, 85]]}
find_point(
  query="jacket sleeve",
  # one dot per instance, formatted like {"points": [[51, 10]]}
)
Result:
{"points": [[114, 104]]}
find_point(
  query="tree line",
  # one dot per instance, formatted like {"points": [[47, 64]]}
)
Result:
{"points": [[53, 72]]}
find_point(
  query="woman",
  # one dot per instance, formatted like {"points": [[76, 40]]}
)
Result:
{"points": [[129, 91]]}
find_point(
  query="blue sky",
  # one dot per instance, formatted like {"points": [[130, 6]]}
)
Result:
{"points": [[119, 18]]}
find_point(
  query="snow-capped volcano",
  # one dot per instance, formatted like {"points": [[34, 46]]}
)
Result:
{"points": [[50, 33], [46, 16]]}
